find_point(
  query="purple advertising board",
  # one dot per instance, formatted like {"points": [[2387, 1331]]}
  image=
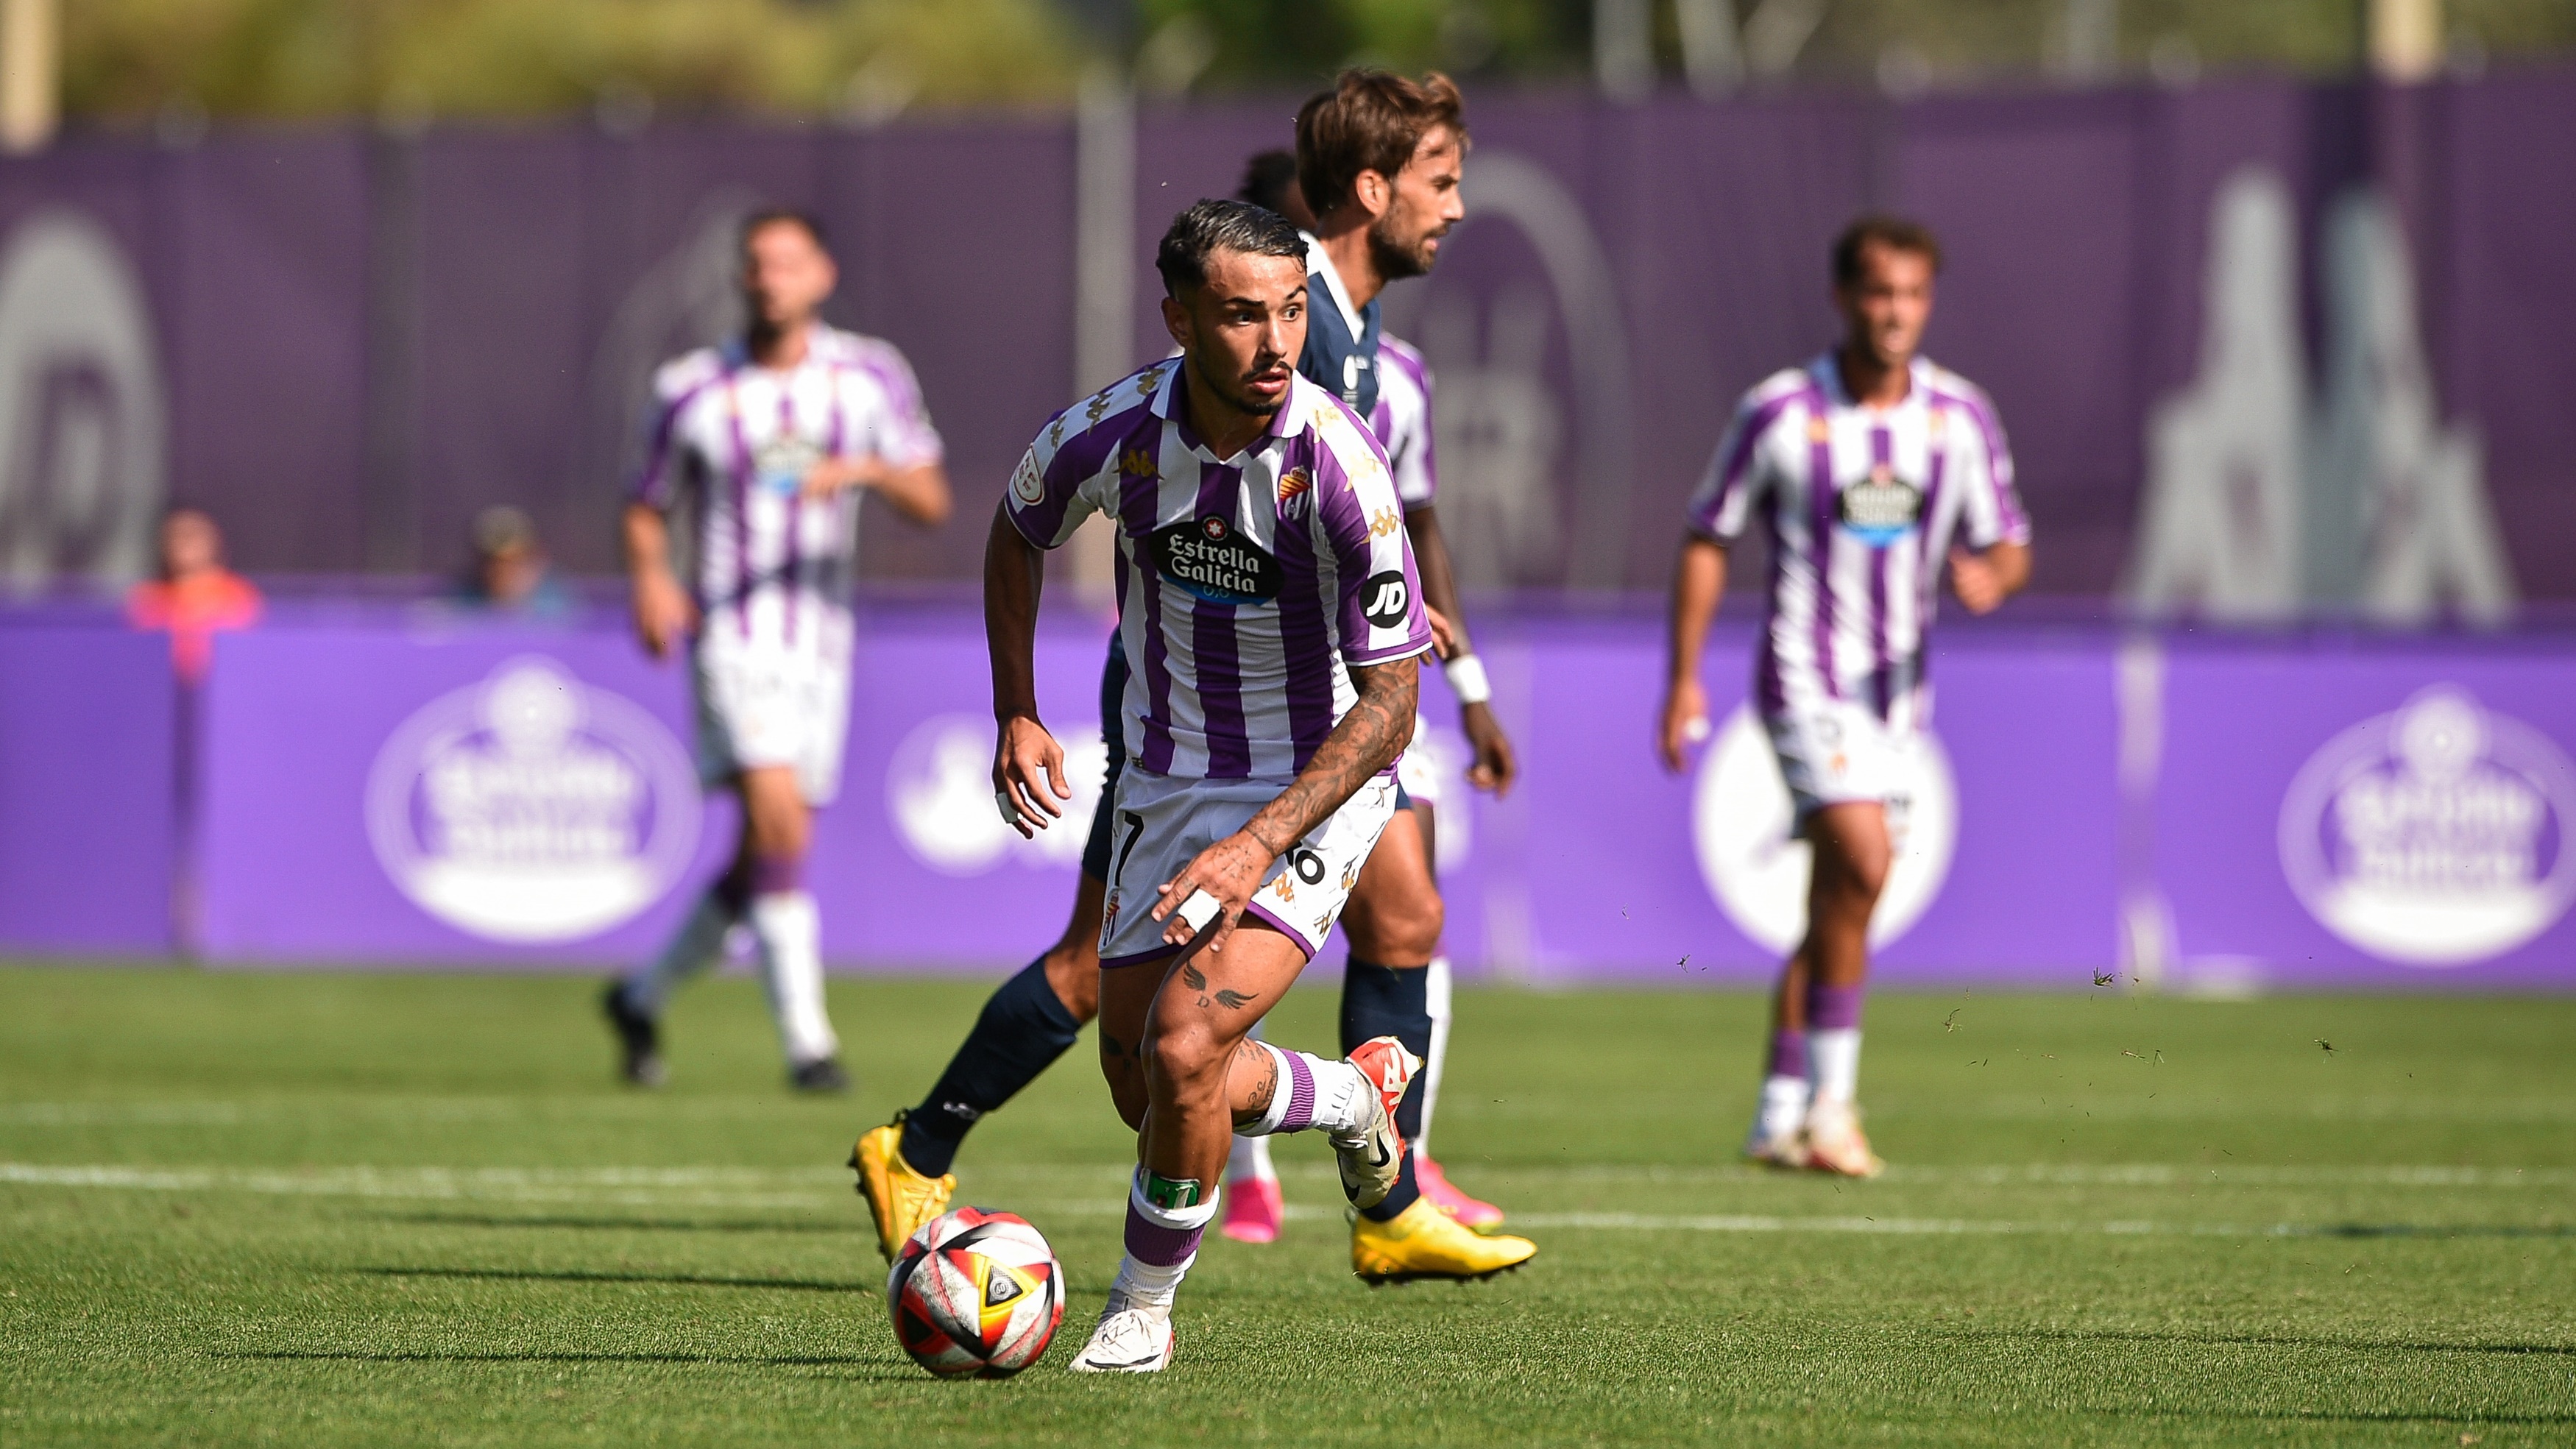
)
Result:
{"points": [[398, 787], [88, 794]]}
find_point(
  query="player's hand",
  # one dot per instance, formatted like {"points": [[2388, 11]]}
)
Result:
{"points": [[1685, 724], [664, 613], [1494, 767], [1979, 585], [1444, 636], [1023, 755], [1229, 871], [834, 475]]}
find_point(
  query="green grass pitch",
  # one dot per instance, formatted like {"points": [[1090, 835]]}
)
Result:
{"points": [[314, 1208]]}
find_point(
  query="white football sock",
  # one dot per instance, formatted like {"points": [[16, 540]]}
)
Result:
{"points": [[1151, 1285], [1435, 991], [1339, 1105], [1833, 1057], [1784, 1106], [791, 969], [699, 945], [1249, 1160]]}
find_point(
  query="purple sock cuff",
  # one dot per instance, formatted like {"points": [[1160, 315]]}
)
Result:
{"points": [[1157, 1246], [1834, 1008], [1788, 1054], [773, 875], [1301, 1093]]}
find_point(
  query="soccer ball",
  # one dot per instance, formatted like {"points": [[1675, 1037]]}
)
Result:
{"points": [[975, 1292]]}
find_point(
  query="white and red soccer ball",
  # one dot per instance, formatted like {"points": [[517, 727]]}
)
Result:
{"points": [[975, 1292]]}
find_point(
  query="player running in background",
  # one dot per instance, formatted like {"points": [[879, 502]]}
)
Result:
{"points": [[1377, 169], [763, 446], [1273, 619], [1859, 469]]}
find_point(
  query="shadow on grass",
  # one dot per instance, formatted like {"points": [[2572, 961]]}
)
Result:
{"points": [[2426, 1230], [2256, 1340], [882, 1373], [650, 1225], [685, 1280]]}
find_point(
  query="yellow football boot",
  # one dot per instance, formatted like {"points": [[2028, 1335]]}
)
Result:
{"points": [[900, 1199], [1424, 1242]]}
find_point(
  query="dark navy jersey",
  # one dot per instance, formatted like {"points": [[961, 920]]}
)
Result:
{"points": [[1339, 358]]}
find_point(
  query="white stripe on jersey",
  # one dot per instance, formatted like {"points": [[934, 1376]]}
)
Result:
{"points": [[1858, 505], [1402, 421], [728, 441]]}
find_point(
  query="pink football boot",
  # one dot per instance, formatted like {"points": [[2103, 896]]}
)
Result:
{"points": [[1435, 1185]]}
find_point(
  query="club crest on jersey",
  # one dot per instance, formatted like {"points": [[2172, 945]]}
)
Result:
{"points": [[1294, 484], [1207, 557], [1879, 509], [1028, 485]]}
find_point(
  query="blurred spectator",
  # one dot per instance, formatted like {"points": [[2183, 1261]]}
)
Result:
{"points": [[511, 574], [195, 595]]}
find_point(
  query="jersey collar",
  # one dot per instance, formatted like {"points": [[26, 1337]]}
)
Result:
{"points": [[1285, 423], [1319, 263]]}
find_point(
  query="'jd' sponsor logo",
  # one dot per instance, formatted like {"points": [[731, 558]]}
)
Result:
{"points": [[1880, 509], [1385, 600], [1208, 558]]}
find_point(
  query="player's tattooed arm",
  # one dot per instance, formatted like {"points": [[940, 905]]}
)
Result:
{"points": [[1368, 739], [1023, 751]]}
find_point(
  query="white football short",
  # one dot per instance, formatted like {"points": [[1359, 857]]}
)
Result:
{"points": [[1839, 752], [1162, 823], [1420, 767], [762, 705]]}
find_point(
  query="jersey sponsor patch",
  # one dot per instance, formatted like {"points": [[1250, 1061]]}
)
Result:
{"points": [[1880, 509], [782, 463], [1211, 560], [1028, 485], [1386, 600]]}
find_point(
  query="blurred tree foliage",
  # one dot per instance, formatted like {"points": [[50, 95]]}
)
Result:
{"points": [[136, 59]]}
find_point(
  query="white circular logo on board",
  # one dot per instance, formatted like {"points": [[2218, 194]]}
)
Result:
{"points": [[939, 789], [1740, 821], [2434, 836], [532, 807]]}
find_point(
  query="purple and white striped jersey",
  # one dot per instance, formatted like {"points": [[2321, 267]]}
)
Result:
{"points": [[729, 441], [1247, 586], [1402, 421], [1858, 505]]}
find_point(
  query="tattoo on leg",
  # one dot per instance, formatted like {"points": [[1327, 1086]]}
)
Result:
{"points": [[1192, 977], [1109, 1046], [1265, 1086], [1232, 1000]]}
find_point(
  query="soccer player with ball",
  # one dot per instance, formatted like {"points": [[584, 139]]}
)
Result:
{"points": [[1272, 615], [1859, 468]]}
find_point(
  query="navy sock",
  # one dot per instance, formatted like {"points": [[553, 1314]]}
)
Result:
{"points": [[1391, 1001], [1023, 1030]]}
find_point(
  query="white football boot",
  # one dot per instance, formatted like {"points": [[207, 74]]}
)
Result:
{"points": [[1133, 1338], [1372, 1159]]}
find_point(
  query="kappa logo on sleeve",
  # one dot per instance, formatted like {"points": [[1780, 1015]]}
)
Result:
{"points": [[1384, 522], [1386, 600]]}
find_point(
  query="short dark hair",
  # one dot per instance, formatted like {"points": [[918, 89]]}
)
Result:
{"points": [[1371, 120], [1267, 180], [769, 216], [1214, 226], [1895, 233]]}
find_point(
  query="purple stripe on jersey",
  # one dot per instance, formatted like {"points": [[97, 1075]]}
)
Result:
{"points": [[1928, 569], [651, 485], [2009, 519], [1738, 462], [794, 565], [1214, 650], [1882, 451], [1296, 934], [1820, 527], [1767, 682], [741, 590], [1139, 511], [1081, 456], [1305, 633]]}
